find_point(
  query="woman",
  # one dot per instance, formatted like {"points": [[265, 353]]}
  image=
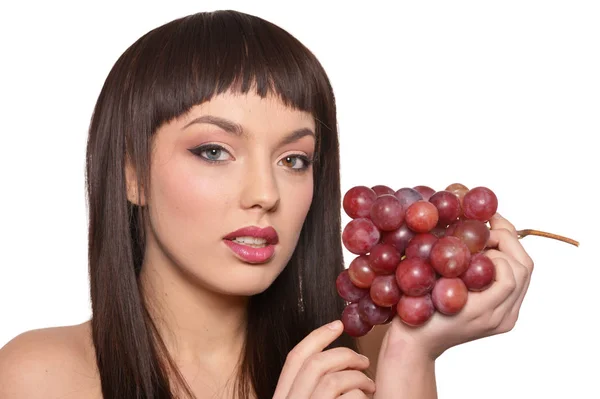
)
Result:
{"points": [[212, 134]]}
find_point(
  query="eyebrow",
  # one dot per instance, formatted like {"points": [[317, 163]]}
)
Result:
{"points": [[238, 131]]}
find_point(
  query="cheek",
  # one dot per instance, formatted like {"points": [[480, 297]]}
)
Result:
{"points": [[297, 199], [189, 201]]}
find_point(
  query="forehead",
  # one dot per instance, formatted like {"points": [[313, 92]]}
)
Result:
{"points": [[252, 112]]}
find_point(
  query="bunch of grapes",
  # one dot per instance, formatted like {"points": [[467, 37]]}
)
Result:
{"points": [[417, 250]]}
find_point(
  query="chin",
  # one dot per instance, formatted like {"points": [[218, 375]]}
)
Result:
{"points": [[246, 279]]}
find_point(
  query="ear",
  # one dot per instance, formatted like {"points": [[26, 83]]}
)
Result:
{"points": [[135, 194]]}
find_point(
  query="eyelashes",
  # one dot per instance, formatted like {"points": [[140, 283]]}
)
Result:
{"points": [[214, 152], [199, 151]]}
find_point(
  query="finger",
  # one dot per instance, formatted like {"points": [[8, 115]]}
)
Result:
{"points": [[313, 343], [333, 385], [503, 286], [324, 366], [514, 312], [508, 243], [498, 222], [504, 315], [355, 394], [517, 305], [515, 248]]}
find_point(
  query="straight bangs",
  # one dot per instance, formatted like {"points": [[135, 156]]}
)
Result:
{"points": [[188, 61], [160, 77]]}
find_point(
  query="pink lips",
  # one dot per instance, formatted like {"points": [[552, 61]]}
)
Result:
{"points": [[251, 254]]}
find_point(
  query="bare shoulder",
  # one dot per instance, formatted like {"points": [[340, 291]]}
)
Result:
{"points": [[50, 363], [369, 345]]}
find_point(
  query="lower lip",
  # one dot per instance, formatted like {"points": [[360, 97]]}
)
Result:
{"points": [[251, 254]]}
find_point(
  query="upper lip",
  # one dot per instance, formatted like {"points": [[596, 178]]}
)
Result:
{"points": [[268, 233]]}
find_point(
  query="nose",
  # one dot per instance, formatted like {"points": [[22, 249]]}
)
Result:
{"points": [[259, 188]]}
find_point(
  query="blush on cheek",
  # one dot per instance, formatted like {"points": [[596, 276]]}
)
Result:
{"points": [[194, 202], [296, 200]]}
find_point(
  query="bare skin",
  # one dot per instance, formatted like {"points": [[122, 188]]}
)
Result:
{"points": [[201, 313], [59, 362], [198, 289]]}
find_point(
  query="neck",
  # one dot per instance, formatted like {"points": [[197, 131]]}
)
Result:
{"points": [[198, 326]]}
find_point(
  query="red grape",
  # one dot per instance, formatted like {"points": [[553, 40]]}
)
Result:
{"points": [[439, 231], [420, 246], [360, 273], [392, 315], [452, 227], [384, 290], [421, 216], [447, 204], [480, 274], [415, 310], [473, 233], [458, 189], [480, 203], [373, 313], [353, 324], [408, 196], [384, 258], [449, 295], [450, 256], [360, 235], [399, 238], [358, 200], [347, 290], [418, 251], [415, 276], [382, 190], [425, 191], [387, 213]]}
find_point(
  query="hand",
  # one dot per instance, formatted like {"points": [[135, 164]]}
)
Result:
{"points": [[310, 372], [486, 313]]}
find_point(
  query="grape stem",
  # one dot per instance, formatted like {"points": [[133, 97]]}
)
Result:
{"points": [[530, 232]]}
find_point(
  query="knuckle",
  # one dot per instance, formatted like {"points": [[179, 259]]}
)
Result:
{"points": [[508, 233], [510, 285], [502, 231], [503, 323], [312, 364], [495, 322], [524, 274], [491, 321], [351, 355], [493, 254], [486, 321], [529, 264], [293, 355], [331, 382], [508, 324], [510, 227], [501, 261], [344, 353]]}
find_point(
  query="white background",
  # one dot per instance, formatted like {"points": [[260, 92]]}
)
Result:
{"points": [[502, 94]]}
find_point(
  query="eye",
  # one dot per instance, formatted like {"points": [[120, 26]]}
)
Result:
{"points": [[211, 152], [298, 163]]}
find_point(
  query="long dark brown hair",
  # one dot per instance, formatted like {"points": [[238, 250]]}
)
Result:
{"points": [[160, 77]]}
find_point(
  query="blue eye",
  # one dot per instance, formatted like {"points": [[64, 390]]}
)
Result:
{"points": [[213, 152]]}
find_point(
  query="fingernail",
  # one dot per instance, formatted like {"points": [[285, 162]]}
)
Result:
{"points": [[334, 325], [363, 357], [374, 386]]}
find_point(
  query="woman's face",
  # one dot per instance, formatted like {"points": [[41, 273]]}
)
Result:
{"points": [[258, 178]]}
